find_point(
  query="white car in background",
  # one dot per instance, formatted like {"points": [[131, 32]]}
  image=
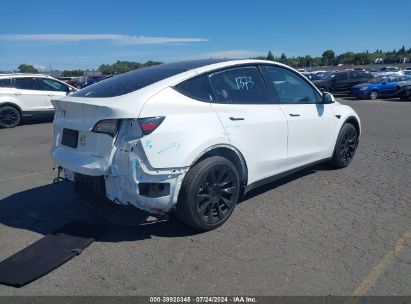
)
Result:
{"points": [[194, 136], [25, 95]]}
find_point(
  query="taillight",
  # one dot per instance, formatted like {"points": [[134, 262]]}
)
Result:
{"points": [[107, 126], [149, 124]]}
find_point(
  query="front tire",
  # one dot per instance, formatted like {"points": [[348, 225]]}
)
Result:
{"points": [[10, 117], [345, 146], [209, 194], [374, 94]]}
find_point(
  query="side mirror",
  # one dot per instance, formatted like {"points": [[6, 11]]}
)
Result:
{"points": [[328, 98]]}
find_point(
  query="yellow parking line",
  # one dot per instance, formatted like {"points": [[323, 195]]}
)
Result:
{"points": [[379, 269], [23, 176]]}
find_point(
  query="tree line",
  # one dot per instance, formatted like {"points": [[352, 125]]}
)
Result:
{"points": [[348, 58], [328, 58]]}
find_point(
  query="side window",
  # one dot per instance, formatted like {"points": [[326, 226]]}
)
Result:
{"points": [[290, 87], [5, 83], [197, 88], [52, 85], [243, 85], [355, 75], [341, 76], [26, 83]]}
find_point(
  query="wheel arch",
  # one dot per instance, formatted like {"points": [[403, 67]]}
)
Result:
{"points": [[354, 121], [232, 154], [11, 104]]}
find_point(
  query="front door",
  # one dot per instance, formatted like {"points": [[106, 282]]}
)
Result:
{"points": [[52, 89], [341, 82], [311, 124]]}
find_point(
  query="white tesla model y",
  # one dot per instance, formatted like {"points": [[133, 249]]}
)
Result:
{"points": [[194, 136]]}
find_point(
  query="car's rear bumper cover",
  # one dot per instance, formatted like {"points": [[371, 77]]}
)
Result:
{"points": [[122, 175]]}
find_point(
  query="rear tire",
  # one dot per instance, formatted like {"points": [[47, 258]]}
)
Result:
{"points": [[10, 117], [345, 147], [209, 194]]}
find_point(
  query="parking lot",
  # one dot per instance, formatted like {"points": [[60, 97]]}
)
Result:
{"points": [[318, 232]]}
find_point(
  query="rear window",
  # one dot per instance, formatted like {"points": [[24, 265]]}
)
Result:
{"points": [[128, 82], [5, 83]]}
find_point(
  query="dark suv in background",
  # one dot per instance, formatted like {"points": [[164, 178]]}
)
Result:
{"points": [[341, 82]]}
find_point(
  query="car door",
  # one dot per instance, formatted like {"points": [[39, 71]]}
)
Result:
{"points": [[253, 124], [355, 77], [311, 124], [390, 86], [340, 82], [52, 89], [27, 91]]}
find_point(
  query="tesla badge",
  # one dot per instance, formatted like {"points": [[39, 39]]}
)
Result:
{"points": [[83, 139]]}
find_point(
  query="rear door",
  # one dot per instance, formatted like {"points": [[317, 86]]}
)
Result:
{"points": [[311, 124], [28, 92], [356, 77], [52, 89], [341, 82], [6, 91], [253, 124]]}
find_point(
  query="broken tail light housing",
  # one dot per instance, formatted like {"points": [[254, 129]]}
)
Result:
{"points": [[107, 126], [149, 124]]}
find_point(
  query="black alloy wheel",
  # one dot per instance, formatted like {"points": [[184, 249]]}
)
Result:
{"points": [[346, 146], [9, 117], [216, 195], [209, 193]]}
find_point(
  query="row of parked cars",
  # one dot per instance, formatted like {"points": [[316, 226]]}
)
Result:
{"points": [[365, 84], [83, 81]]}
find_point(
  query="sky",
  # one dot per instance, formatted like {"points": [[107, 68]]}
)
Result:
{"points": [[85, 34]]}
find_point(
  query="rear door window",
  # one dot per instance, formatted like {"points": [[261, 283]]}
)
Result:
{"points": [[355, 75], [5, 83], [26, 83], [341, 76], [243, 85]]}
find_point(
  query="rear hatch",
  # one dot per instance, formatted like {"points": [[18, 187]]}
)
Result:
{"points": [[76, 147]]}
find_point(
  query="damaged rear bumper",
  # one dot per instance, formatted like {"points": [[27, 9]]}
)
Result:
{"points": [[128, 177]]}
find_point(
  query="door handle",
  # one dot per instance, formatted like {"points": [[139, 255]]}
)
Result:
{"points": [[294, 115], [17, 93], [236, 118]]}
